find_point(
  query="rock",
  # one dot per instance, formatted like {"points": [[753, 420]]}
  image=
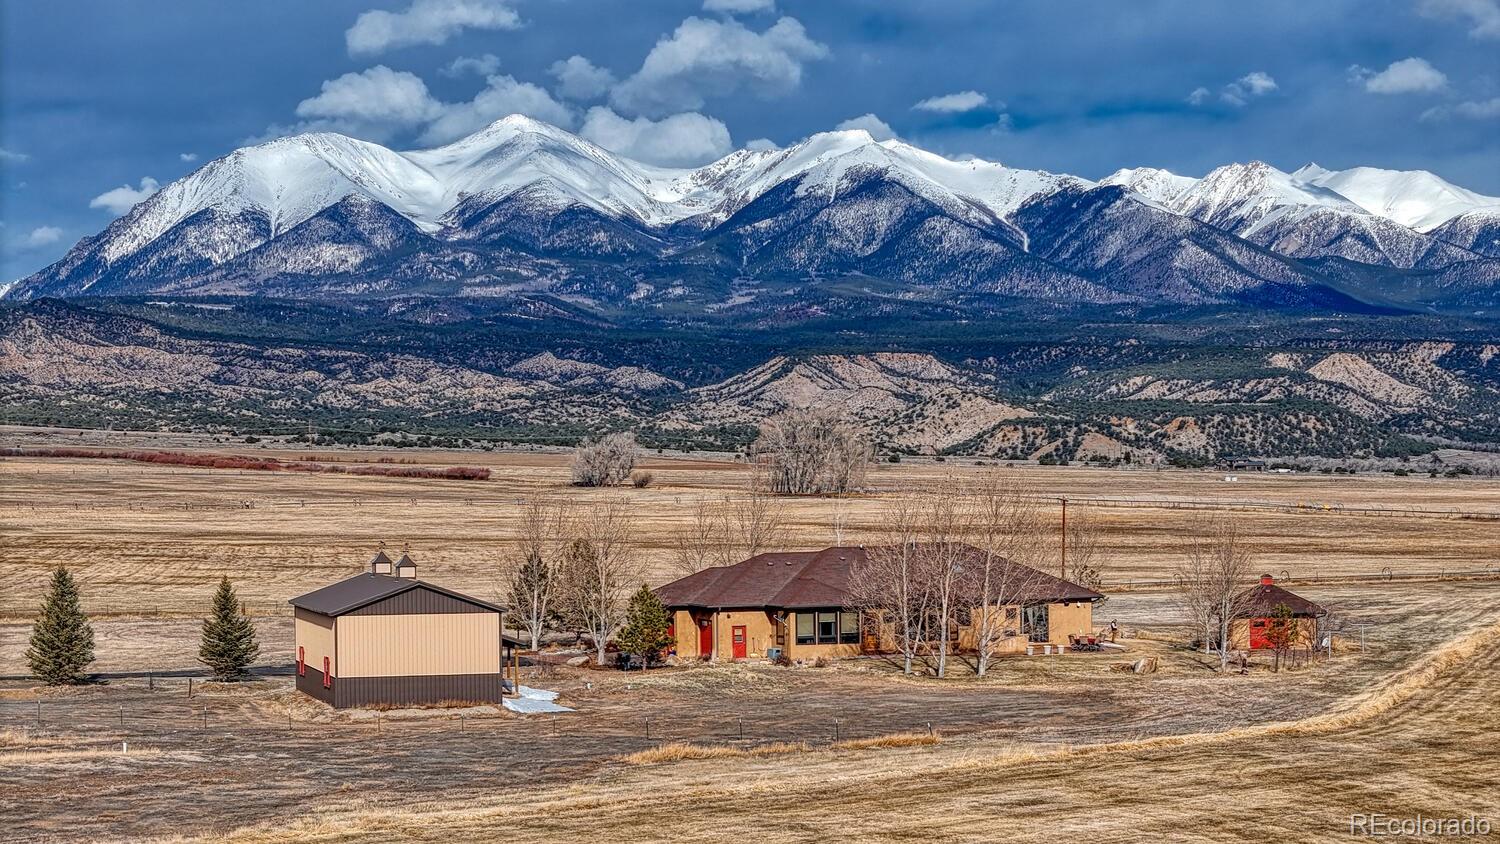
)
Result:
{"points": [[578, 661]]}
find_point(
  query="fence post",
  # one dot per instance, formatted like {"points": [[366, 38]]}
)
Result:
{"points": [[39, 710], [648, 729], [122, 716], [190, 688], [741, 721], [835, 729]]}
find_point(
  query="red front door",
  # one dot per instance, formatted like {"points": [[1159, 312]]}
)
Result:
{"points": [[739, 641], [705, 638], [1258, 628]]}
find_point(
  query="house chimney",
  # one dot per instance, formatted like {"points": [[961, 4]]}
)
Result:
{"points": [[406, 568], [380, 563], [1266, 580]]}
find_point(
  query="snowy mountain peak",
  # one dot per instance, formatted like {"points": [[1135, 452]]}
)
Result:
{"points": [[1239, 197], [1154, 183], [1414, 198]]}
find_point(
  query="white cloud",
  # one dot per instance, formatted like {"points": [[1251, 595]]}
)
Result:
{"points": [[762, 145], [703, 58], [43, 235], [374, 103], [878, 129], [1407, 76], [953, 103], [1483, 15], [580, 79], [425, 22], [12, 156], [1238, 93], [1470, 110], [125, 197], [485, 65], [739, 7], [502, 96], [679, 140], [187, 157]]}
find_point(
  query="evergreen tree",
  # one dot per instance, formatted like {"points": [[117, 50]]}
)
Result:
{"points": [[228, 637], [646, 622], [62, 642]]}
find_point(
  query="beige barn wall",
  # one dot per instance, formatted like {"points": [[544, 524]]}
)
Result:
{"points": [[419, 645], [314, 634]]}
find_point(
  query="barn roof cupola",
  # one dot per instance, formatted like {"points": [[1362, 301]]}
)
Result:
{"points": [[381, 564], [406, 568]]}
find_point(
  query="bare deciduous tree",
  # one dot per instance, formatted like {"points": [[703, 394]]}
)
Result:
{"points": [[1216, 576], [889, 584], [1088, 557], [811, 451], [1010, 533], [732, 529], [597, 565], [606, 461], [532, 590], [697, 542]]}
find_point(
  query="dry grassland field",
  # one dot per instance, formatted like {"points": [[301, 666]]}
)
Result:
{"points": [[1403, 720], [147, 538]]}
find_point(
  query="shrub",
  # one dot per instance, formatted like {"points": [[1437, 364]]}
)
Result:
{"points": [[641, 480], [606, 461]]}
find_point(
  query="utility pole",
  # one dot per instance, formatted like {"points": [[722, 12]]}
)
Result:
{"points": [[1064, 574]]}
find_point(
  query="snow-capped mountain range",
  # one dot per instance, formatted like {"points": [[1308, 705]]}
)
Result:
{"points": [[525, 206]]}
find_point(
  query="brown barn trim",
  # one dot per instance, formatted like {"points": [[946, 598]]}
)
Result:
{"points": [[311, 684], [420, 601], [363, 691]]}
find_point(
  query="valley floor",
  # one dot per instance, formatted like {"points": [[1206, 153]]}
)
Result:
{"points": [[1043, 747]]}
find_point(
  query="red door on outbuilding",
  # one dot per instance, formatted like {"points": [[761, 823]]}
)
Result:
{"points": [[1258, 639], [705, 637], [739, 642]]}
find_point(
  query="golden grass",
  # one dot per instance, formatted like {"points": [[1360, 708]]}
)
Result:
{"points": [[146, 538], [678, 751], [914, 739], [44, 757]]}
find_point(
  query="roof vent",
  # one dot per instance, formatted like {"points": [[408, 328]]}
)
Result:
{"points": [[380, 563], [406, 568]]}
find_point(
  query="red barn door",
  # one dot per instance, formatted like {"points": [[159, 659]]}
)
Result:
{"points": [[1258, 639]]}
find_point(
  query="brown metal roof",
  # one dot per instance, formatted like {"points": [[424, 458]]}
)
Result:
{"points": [[808, 579], [1266, 597], [361, 590]]}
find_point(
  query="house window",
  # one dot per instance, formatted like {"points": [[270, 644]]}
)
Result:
{"points": [[848, 627], [804, 628], [828, 628]]}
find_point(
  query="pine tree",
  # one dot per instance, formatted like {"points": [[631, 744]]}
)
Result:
{"points": [[228, 637], [62, 642], [645, 633]]}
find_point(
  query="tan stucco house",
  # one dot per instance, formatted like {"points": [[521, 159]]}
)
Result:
{"points": [[799, 603], [383, 637]]}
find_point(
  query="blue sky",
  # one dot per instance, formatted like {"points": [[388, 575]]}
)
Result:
{"points": [[101, 101]]}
